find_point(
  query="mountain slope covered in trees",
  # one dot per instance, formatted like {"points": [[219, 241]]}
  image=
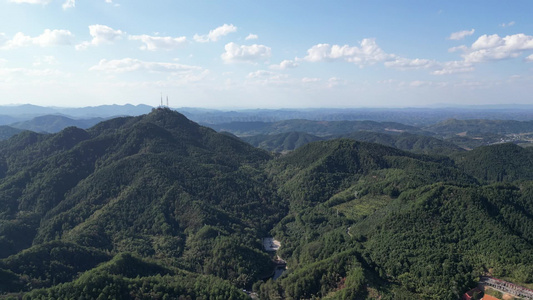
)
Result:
{"points": [[156, 206]]}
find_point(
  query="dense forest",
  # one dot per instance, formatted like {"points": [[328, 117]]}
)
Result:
{"points": [[159, 207]]}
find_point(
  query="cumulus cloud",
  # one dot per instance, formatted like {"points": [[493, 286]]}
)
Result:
{"points": [[241, 53], [153, 43], [494, 47], [367, 53], [101, 34], [252, 37], [529, 58], [286, 64], [46, 39], [507, 24], [215, 34], [69, 4], [461, 34], [487, 41], [132, 64]]}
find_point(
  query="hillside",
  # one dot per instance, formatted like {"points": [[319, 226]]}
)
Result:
{"points": [[281, 142], [497, 163], [8, 131], [402, 225], [157, 206]]}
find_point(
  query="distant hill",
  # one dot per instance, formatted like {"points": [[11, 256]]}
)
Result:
{"points": [[474, 127], [410, 116], [6, 120], [28, 111], [408, 142], [8, 131], [317, 128], [106, 111], [54, 123]]}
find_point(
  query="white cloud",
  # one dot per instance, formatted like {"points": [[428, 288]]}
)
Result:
{"points": [[286, 64], [260, 74], [494, 47], [132, 64], [236, 53], [31, 1], [264, 77], [153, 43], [529, 58], [46, 39], [215, 34], [368, 53], [461, 34], [458, 48], [452, 67], [410, 64], [252, 37], [487, 41], [507, 24], [101, 35], [335, 81], [69, 4]]}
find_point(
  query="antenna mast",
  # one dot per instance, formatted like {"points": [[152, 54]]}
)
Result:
{"points": [[167, 101], [161, 99]]}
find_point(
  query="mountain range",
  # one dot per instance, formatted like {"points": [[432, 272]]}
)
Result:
{"points": [[158, 206]]}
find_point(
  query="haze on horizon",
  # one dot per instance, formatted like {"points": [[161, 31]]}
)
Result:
{"points": [[274, 54]]}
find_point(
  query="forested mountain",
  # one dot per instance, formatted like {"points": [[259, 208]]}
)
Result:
{"points": [[281, 142], [497, 163], [158, 207]]}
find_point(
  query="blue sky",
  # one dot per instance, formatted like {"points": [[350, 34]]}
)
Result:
{"points": [[266, 54]]}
